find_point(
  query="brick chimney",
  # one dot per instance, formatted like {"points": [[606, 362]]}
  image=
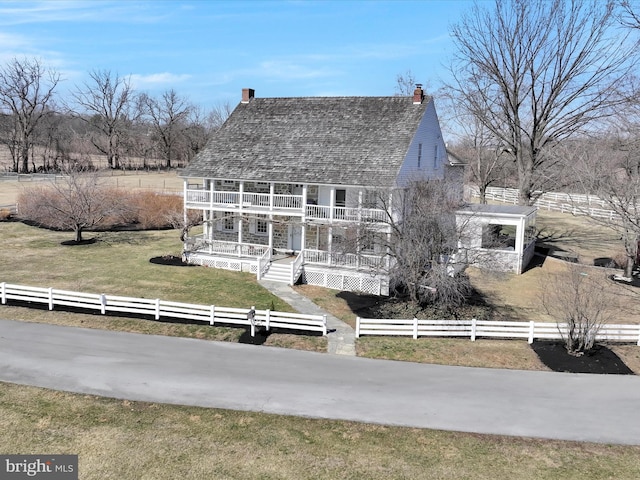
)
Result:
{"points": [[247, 94], [418, 94]]}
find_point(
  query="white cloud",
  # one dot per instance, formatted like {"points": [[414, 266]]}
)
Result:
{"points": [[157, 79], [79, 11], [291, 70]]}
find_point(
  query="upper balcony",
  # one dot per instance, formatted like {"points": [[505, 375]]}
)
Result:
{"points": [[279, 204]]}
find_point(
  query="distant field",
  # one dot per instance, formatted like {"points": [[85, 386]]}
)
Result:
{"points": [[98, 161], [10, 189]]}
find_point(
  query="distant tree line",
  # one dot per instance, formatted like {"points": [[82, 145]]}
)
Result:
{"points": [[103, 118]]}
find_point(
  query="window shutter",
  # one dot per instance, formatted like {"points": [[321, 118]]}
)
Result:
{"points": [[252, 225]]}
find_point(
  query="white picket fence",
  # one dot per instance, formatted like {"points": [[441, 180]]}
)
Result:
{"points": [[486, 328], [157, 308]]}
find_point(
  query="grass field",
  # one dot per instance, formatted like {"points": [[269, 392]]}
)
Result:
{"points": [[122, 439], [118, 439]]}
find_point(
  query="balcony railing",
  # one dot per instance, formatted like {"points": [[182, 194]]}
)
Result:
{"points": [[256, 201], [291, 204], [346, 214]]}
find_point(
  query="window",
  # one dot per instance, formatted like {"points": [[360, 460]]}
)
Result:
{"points": [[228, 223], [262, 226], [499, 237], [419, 154], [370, 199]]}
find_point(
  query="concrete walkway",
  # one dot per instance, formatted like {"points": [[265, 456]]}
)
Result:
{"points": [[341, 337], [184, 371]]}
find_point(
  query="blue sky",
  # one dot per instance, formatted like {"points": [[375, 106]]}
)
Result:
{"points": [[209, 50]]}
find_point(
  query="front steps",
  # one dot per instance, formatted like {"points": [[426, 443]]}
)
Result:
{"points": [[278, 272]]}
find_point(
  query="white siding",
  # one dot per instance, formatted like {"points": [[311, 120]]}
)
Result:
{"points": [[429, 136]]}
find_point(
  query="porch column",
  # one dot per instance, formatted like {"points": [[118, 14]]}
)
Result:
{"points": [[329, 245], [240, 236], [240, 195], [520, 229], [303, 236], [359, 205], [212, 188], [272, 191], [304, 207], [270, 233], [184, 195], [332, 204]]}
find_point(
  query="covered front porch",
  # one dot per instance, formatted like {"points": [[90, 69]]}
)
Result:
{"points": [[337, 270]]}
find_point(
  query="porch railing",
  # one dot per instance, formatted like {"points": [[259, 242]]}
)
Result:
{"points": [[296, 267], [347, 260], [200, 243], [263, 263]]}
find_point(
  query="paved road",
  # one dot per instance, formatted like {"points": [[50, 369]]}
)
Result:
{"points": [[245, 377]]}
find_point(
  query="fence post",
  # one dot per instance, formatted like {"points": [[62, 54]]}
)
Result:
{"points": [[473, 329], [103, 303], [213, 315], [251, 316], [157, 309], [415, 328], [324, 325], [532, 326], [4, 292], [50, 298], [639, 337], [358, 327], [268, 318]]}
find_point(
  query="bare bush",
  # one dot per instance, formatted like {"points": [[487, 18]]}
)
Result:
{"points": [[581, 301], [152, 210], [77, 202]]}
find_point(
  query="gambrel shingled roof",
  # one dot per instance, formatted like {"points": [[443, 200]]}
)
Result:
{"points": [[322, 140]]}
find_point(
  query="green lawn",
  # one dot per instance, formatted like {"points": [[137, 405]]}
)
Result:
{"points": [[118, 439], [118, 264], [131, 440]]}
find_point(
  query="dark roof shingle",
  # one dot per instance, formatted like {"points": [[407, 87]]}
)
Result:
{"points": [[330, 140]]}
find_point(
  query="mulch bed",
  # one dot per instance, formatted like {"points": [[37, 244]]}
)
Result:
{"points": [[72, 243], [171, 260], [600, 360]]}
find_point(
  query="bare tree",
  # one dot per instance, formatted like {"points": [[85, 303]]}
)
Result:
{"points": [[423, 244], [168, 116], [580, 301], [405, 84], [26, 92], [76, 202], [108, 104], [630, 16], [202, 124], [536, 72], [609, 167]]}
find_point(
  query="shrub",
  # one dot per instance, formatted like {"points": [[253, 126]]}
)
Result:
{"points": [[5, 214]]}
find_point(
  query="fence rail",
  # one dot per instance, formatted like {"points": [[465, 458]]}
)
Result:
{"points": [[487, 329], [157, 308], [573, 203]]}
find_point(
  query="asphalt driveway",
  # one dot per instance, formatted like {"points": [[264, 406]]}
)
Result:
{"points": [[597, 408]]}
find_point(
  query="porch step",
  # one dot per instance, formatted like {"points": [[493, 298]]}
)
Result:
{"points": [[278, 272]]}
